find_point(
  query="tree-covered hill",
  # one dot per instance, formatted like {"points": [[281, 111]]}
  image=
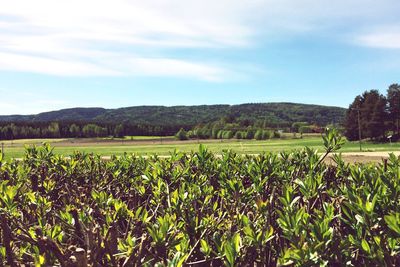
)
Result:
{"points": [[271, 113], [166, 116], [71, 114], [16, 118], [287, 113]]}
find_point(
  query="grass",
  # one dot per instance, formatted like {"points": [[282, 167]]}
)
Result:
{"points": [[140, 138], [31, 141], [65, 147]]}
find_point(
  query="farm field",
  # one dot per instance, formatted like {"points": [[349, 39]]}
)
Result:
{"points": [[164, 146]]}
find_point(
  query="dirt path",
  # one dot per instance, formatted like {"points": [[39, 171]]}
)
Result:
{"points": [[365, 157]]}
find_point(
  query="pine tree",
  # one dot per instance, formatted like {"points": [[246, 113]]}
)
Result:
{"points": [[370, 109], [393, 97]]}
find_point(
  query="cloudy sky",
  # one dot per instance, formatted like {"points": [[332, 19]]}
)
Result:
{"points": [[59, 54]]}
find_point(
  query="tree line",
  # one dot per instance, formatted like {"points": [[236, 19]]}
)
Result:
{"points": [[249, 133], [22, 130], [374, 115], [227, 128]]}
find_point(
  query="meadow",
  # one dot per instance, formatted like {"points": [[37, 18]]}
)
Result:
{"points": [[149, 145]]}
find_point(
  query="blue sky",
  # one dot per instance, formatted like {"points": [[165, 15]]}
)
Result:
{"points": [[98, 53]]}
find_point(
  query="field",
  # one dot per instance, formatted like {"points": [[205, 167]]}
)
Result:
{"points": [[145, 145], [199, 209]]}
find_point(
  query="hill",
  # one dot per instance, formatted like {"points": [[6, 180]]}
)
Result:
{"points": [[71, 114], [272, 113]]}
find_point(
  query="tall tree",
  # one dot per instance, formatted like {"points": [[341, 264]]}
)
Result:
{"points": [[352, 116], [54, 130], [74, 130], [373, 114], [368, 111], [393, 97], [119, 131]]}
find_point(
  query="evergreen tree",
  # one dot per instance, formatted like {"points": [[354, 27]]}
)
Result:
{"points": [[370, 109], [373, 114], [393, 98]]}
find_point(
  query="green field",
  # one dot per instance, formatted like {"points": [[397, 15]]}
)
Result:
{"points": [[148, 146], [141, 138]]}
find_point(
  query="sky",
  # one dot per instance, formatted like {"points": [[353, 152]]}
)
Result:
{"points": [[97, 53]]}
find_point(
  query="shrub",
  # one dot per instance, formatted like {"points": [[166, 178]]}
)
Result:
{"points": [[199, 208], [181, 135]]}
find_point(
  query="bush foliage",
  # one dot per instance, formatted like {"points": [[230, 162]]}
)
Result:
{"points": [[199, 209]]}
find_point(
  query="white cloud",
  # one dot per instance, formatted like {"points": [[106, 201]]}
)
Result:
{"points": [[50, 66], [121, 37], [173, 67], [135, 20], [383, 38], [86, 38]]}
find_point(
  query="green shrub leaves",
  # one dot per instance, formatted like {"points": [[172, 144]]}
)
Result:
{"points": [[199, 209]]}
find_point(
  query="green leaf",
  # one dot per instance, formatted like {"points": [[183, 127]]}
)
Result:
{"points": [[229, 253], [393, 222], [369, 207], [204, 247], [249, 233], [365, 246], [39, 260], [237, 240], [11, 192], [3, 252], [352, 240], [360, 219]]}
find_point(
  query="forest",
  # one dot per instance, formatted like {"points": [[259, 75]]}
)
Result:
{"points": [[166, 121], [374, 116]]}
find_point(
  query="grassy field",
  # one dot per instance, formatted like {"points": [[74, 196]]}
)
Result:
{"points": [[146, 146], [140, 138]]}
